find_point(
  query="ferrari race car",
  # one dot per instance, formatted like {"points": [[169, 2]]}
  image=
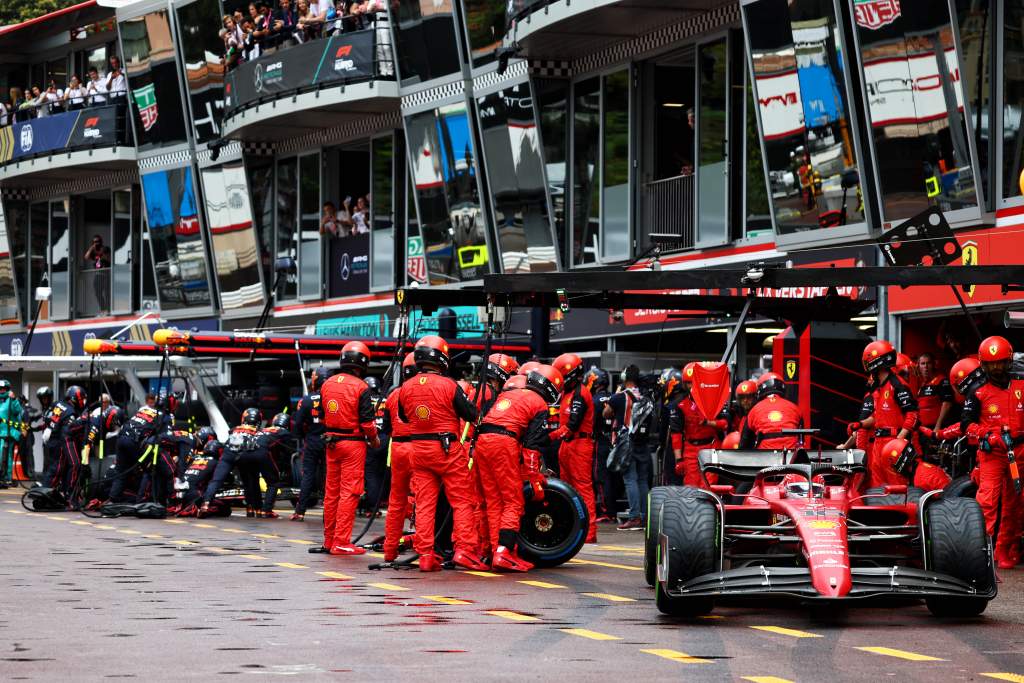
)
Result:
{"points": [[793, 524]]}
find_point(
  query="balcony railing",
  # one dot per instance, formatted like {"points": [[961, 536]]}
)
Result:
{"points": [[668, 208], [84, 123], [340, 59]]}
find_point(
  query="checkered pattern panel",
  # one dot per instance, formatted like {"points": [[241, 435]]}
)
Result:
{"points": [[171, 159], [85, 184], [15, 193], [550, 68], [446, 90], [258, 149], [515, 72], [229, 152], [349, 131]]}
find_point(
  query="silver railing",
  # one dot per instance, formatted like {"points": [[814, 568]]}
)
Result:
{"points": [[668, 208]]}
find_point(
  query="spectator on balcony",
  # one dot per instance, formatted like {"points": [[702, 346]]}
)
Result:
{"points": [[329, 223], [96, 88], [250, 48], [311, 20], [115, 83], [260, 17], [74, 96], [233, 39], [283, 25], [361, 217], [687, 168], [15, 105]]}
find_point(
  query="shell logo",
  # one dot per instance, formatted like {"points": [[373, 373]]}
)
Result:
{"points": [[993, 408], [960, 374], [874, 352], [332, 406], [444, 347], [422, 412], [823, 524], [503, 404], [504, 362], [775, 416], [557, 381], [895, 454], [993, 349], [423, 379]]}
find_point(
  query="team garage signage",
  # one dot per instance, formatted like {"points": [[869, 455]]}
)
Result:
{"points": [[74, 129], [341, 58]]}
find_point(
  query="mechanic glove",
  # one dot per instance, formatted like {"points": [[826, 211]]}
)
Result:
{"points": [[951, 432], [180, 484], [531, 470], [560, 433], [852, 428], [975, 434]]}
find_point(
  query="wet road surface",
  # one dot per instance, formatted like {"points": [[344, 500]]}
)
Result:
{"points": [[88, 599]]}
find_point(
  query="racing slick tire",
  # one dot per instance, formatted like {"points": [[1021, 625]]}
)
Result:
{"points": [[958, 545], [655, 499], [690, 523], [961, 487], [552, 530], [913, 495]]}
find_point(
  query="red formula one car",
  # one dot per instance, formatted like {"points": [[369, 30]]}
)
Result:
{"points": [[798, 525]]}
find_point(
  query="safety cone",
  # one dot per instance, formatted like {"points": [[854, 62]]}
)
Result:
{"points": [[18, 472]]}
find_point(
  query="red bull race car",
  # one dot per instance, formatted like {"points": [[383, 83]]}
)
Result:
{"points": [[800, 525]]}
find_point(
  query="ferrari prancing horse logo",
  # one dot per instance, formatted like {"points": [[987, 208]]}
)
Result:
{"points": [[790, 369]]}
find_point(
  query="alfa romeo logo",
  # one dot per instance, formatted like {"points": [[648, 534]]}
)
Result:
{"points": [[257, 78], [346, 266]]}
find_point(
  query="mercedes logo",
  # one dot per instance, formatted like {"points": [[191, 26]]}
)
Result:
{"points": [[346, 267], [257, 78]]}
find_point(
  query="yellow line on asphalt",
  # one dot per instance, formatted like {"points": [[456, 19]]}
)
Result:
{"points": [[585, 633], [300, 541], [153, 536], [676, 656], [130, 532], [388, 586], [77, 521], [204, 526], [16, 512], [766, 679], [1013, 678], [512, 616], [445, 600], [601, 546], [252, 556], [782, 631], [231, 530], [334, 575], [541, 584], [711, 616], [216, 549], [182, 541], [106, 527], [291, 565], [901, 654], [373, 554], [609, 597], [175, 521], [266, 536], [612, 565], [489, 575]]}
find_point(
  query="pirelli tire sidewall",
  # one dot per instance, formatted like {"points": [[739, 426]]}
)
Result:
{"points": [[552, 531]]}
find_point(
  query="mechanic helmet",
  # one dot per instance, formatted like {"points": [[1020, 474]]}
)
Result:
{"points": [[112, 418], [688, 372], [878, 355], [317, 377], [671, 381], [373, 384], [409, 366], [205, 435], [731, 441], [995, 354], [546, 381], [770, 383], [571, 367], [747, 387], [431, 350], [501, 366], [596, 378], [355, 358], [76, 396], [252, 416], [966, 375], [5, 386], [527, 367], [282, 420], [44, 392], [904, 365], [466, 386], [515, 382], [899, 452]]}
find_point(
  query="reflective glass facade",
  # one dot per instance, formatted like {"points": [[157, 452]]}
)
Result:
{"points": [[425, 39], [232, 236], [201, 48]]}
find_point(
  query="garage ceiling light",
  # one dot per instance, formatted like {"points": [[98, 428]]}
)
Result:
{"points": [[672, 104], [764, 330]]}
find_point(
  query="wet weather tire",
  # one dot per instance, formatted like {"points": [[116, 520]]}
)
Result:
{"points": [[655, 500], [553, 530], [913, 495], [958, 546], [961, 487], [690, 524]]}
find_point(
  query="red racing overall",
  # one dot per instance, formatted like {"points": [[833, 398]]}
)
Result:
{"points": [[690, 435], [766, 420], [432, 404], [349, 423], [401, 478], [930, 398], [517, 420], [576, 453], [894, 410]]}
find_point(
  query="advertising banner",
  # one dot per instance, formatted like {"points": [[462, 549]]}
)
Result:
{"points": [[349, 265], [82, 128], [340, 58]]}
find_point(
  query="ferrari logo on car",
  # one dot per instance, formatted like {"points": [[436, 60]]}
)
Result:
{"points": [[823, 524]]}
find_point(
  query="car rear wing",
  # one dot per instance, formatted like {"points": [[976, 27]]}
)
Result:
{"points": [[746, 465]]}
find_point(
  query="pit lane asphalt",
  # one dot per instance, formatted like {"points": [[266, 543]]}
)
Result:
{"points": [[87, 599]]}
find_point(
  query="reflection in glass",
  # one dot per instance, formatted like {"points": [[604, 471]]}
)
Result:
{"points": [[382, 155], [38, 250], [804, 112], [444, 171], [175, 238], [425, 37], [586, 171], [201, 50], [232, 236], [553, 104], [712, 185], [515, 176], [8, 293], [286, 234], [60, 259], [977, 40], [310, 280], [915, 108], [15, 214], [261, 187], [485, 22], [121, 252], [416, 263], [153, 80], [1013, 99], [615, 238], [757, 214]]}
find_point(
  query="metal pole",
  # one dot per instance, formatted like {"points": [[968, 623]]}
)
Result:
{"points": [[738, 330]]}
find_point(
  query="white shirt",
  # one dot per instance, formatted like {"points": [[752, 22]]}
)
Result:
{"points": [[359, 219], [96, 89], [115, 85], [76, 95]]}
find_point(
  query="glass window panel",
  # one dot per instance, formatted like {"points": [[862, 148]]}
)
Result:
{"points": [[712, 178], [444, 171], [286, 235], [515, 178], [261, 187], [153, 80], [977, 41], [16, 220], [232, 236], [60, 260], [803, 105], [93, 252], [757, 211], [122, 249], [915, 108], [9, 314], [416, 263], [425, 34], [310, 279], [586, 170], [201, 50], [1013, 99], [485, 23], [615, 239], [553, 104], [38, 250], [176, 239], [382, 152]]}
